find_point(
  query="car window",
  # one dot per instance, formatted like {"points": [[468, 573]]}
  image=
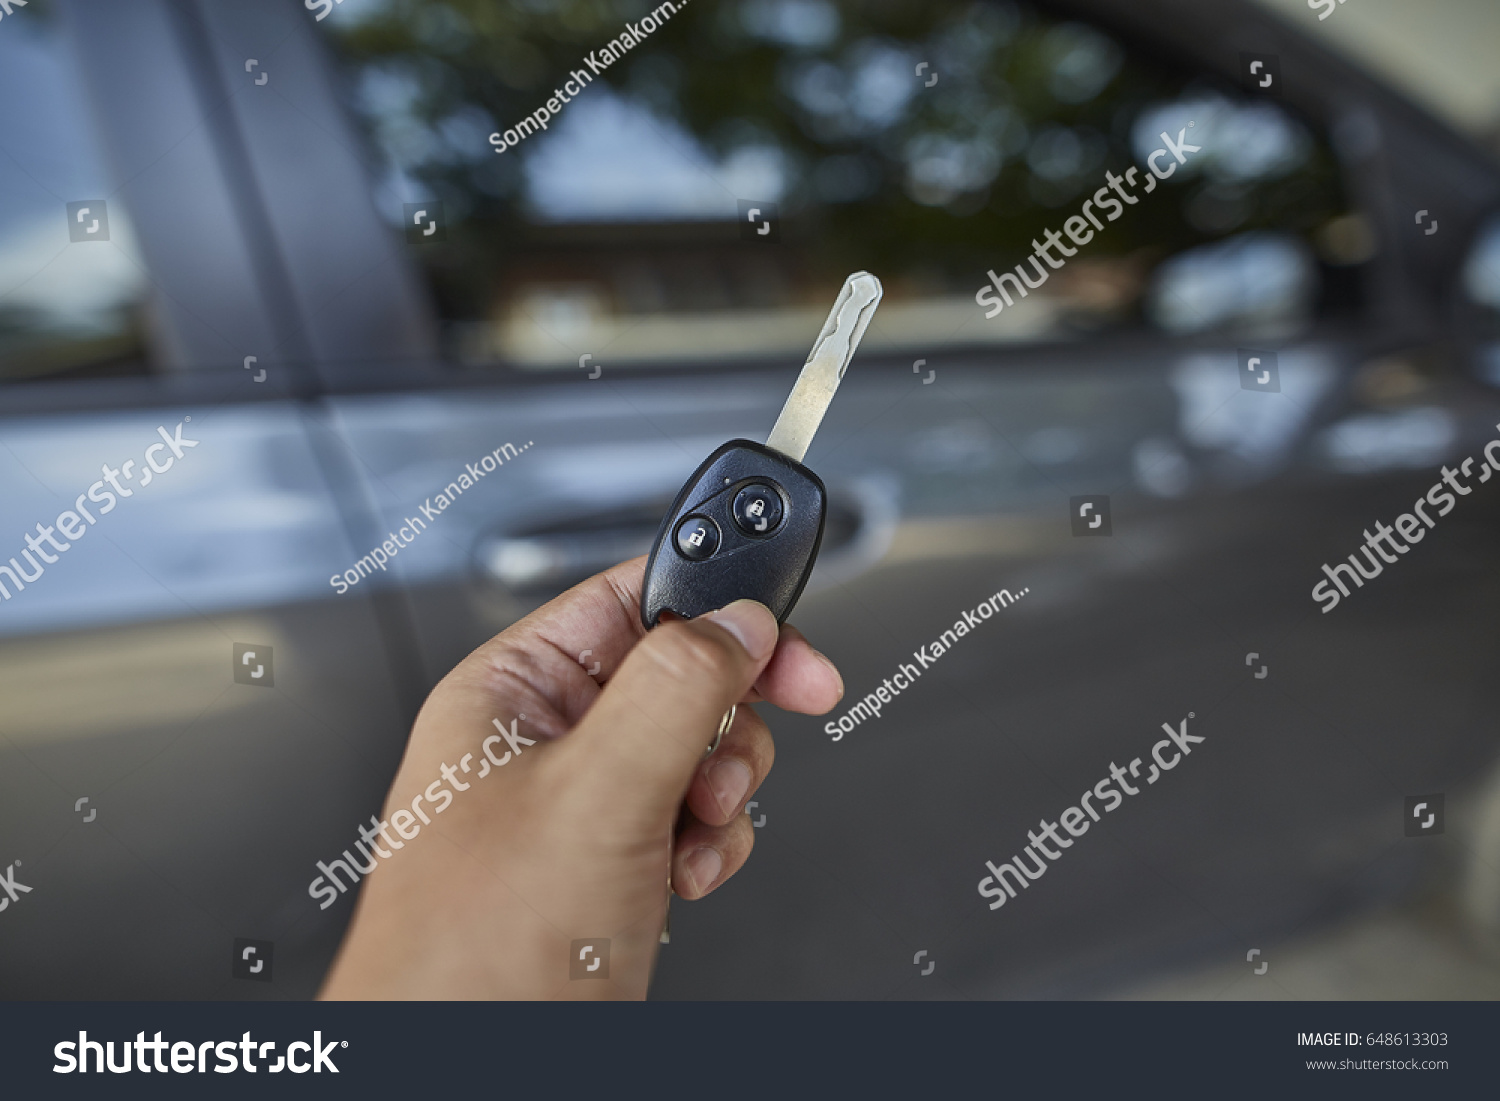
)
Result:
{"points": [[72, 286], [706, 175]]}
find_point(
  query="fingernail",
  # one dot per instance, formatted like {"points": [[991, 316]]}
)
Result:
{"points": [[750, 622], [703, 868], [730, 781], [832, 668]]}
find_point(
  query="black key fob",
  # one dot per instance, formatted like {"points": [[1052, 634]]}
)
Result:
{"points": [[747, 525], [749, 521]]}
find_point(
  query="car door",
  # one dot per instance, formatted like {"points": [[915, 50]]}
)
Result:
{"points": [[597, 308], [186, 729], [1235, 378]]}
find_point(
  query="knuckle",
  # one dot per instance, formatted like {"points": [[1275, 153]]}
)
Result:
{"points": [[741, 838], [761, 747], [751, 744], [693, 653]]}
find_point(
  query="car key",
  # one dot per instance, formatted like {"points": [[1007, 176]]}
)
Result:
{"points": [[749, 521]]}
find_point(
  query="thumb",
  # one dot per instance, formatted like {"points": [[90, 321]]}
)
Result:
{"points": [[634, 753]]}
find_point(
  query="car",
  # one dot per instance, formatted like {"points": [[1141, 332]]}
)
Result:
{"points": [[281, 242]]}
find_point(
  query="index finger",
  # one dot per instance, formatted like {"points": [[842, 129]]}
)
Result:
{"points": [[554, 650]]}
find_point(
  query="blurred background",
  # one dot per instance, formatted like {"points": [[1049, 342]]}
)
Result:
{"points": [[265, 267]]}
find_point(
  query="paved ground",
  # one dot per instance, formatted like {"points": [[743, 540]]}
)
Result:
{"points": [[1409, 954]]}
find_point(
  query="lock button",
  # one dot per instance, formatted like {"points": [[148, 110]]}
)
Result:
{"points": [[757, 509], [697, 537]]}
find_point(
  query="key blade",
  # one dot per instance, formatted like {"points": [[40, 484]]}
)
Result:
{"points": [[825, 366]]}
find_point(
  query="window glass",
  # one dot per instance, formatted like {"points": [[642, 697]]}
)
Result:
{"points": [[71, 284], [701, 196]]}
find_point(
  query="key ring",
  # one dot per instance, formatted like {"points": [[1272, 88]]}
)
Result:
{"points": [[724, 724]]}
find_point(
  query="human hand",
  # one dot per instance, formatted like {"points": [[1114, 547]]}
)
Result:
{"points": [[572, 835]]}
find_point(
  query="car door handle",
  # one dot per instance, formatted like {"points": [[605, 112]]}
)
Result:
{"points": [[550, 561], [553, 557]]}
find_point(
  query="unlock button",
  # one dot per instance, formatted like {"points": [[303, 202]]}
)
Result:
{"points": [[757, 509], [697, 537]]}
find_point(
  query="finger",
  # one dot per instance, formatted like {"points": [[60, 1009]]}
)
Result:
{"points": [[635, 751], [705, 856], [540, 665], [799, 678], [550, 664], [601, 615], [728, 778]]}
